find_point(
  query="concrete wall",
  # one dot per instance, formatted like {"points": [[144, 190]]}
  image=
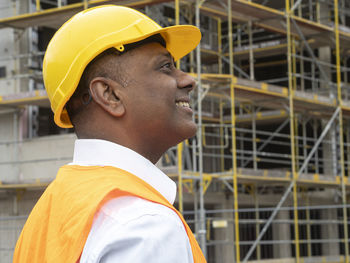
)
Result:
{"points": [[36, 159], [14, 209]]}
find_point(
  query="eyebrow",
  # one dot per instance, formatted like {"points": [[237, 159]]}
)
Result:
{"points": [[166, 54]]}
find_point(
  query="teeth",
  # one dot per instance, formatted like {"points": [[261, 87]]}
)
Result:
{"points": [[182, 104]]}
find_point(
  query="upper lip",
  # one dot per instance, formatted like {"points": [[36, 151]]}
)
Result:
{"points": [[183, 99]]}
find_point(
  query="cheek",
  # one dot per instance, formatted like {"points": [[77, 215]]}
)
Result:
{"points": [[162, 83], [154, 93]]}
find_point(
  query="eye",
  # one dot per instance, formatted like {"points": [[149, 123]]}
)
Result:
{"points": [[167, 66]]}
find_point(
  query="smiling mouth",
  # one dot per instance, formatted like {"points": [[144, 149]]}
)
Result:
{"points": [[183, 104]]}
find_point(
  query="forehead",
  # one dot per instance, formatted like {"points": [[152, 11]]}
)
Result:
{"points": [[150, 51]]}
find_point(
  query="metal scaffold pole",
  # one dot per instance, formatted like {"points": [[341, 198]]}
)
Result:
{"points": [[251, 53], [177, 22], [234, 170], [233, 123], [291, 86], [219, 46], [221, 131], [202, 226], [37, 5], [341, 135], [257, 218], [179, 170], [308, 226]]}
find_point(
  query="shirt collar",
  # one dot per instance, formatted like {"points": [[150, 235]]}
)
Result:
{"points": [[94, 152]]}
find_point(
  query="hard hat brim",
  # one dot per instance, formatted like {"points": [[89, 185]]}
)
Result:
{"points": [[180, 40]]}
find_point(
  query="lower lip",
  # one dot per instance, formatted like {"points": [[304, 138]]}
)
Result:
{"points": [[187, 109]]}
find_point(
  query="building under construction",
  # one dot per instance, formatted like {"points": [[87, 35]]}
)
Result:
{"points": [[266, 177]]}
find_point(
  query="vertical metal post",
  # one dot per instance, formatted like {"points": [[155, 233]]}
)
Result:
{"points": [[177, 22], [311, 10], [334, 150], [195, 205], [177, 12], [219, 45], [345, 80], [257, 217], [192, 53], [294, 64], [233, 123], [234, 170], [255, 164], [221, 130], [302, 80], [194, 155], [348, 147], [341, 135], [179, 170], [343, 16], [230, 37], [202, 227], [37, 5], [292, 137], [241, 143], [317, 163], [251, 54], [308, 227], [296, 140], [318, 11], [304, 143]]}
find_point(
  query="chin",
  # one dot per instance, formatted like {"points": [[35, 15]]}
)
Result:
{"points": [[193, 131], [182, 133], [189, 132]]}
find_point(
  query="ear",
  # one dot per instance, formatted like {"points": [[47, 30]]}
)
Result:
{"points": [[107, 94]]}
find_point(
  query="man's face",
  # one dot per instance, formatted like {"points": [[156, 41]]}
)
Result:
{"points": [[157, 97]]}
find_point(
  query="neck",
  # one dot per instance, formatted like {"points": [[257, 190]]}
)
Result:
{"points": [[148, 153], [150, 148]]}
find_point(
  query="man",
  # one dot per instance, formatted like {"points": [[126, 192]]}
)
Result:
{"points": [[109, 72]]}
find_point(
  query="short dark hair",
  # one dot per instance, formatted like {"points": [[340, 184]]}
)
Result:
{"points": [[75, 104]]}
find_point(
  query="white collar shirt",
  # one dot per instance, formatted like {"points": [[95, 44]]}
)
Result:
{"points": [[131, 229]]}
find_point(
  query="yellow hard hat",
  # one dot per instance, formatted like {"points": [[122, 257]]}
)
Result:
{"points": [[92, 31]]}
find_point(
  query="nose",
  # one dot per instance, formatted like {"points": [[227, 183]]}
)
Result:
{"points": [[185, 81]]}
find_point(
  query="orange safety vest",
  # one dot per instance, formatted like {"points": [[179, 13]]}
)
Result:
{"points": [[59, 224]]}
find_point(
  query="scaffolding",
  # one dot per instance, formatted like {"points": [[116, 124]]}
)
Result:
{"points": [[266, 176]]}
